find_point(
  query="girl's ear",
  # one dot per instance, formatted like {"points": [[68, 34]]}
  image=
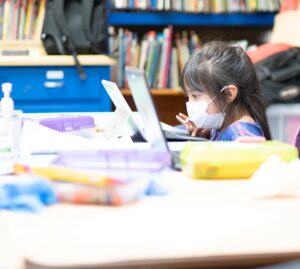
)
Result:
{"points": [[230, 92]]}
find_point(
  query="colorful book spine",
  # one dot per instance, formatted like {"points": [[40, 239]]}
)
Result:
{"points": [[155, 55], [169, 35], [6, 21], [22, 20], [29, 11], [39, 19], [120, 69], [1, 17]]}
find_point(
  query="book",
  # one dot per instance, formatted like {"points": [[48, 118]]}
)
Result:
{"points": [[152, 42], [29, 12], [174, 81], [154, 66], [15, 18], [6, 21], [169, 34], [22, 19], [1, 17], [39, 19], [144, 51], [121, 56]]}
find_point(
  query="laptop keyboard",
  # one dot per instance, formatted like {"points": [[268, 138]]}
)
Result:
{"points": [[173, 136]]}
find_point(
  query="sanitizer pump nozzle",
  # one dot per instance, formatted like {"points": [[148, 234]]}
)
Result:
{"points": [[6, 103]]}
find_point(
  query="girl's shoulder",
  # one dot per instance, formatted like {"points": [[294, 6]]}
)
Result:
{"points": [[236, 129]]}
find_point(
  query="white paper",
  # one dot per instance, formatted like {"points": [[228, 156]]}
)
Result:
{"points": [[40, 139]]}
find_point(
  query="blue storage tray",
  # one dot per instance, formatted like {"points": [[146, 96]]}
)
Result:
{"points": [[70, 94]]}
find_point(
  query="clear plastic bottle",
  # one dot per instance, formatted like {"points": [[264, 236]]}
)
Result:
{"points": [[10, 131]]}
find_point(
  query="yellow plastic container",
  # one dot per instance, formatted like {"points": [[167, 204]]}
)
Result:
{"points": [[230, 160]]}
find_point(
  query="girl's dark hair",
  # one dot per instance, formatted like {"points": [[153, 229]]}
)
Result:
{"points": [[219, 64]]}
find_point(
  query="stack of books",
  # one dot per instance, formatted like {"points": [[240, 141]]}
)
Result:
{"points": [[203, 6], [156, 53], [21, 19]]}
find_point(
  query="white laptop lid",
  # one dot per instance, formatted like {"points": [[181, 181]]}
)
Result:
{"points": [[145, 106], [122, 117]]}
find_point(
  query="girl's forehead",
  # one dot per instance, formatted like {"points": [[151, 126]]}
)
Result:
{"points": [[195, 91], [192, 85]]}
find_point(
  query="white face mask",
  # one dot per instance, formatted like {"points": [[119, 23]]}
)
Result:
{"points": [[197, 113]]}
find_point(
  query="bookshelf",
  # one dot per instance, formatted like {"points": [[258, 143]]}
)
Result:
{"points": [[155, 18], [21, 23], [253, 26], [168, 100]]}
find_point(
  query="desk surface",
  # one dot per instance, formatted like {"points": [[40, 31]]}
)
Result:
{"points": [[200, 223]]}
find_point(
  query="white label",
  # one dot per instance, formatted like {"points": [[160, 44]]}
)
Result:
{"points": [[55, 74]]}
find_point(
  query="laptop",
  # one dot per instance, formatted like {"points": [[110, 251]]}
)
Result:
{"points": [[145, 106], [123, 115]]}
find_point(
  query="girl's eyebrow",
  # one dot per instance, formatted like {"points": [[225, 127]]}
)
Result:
{"points": [[194, 92]]}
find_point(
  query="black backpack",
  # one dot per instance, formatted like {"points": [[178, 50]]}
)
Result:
{"points": [[279, 76], [75, 27]]}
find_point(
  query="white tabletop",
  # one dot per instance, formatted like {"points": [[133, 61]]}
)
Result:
{"points": [[202, 220]]}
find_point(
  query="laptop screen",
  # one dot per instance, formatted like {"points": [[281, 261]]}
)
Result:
{"points": [[144, 103]]}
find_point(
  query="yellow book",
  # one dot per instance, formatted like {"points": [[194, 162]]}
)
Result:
{"points": [[137, 52], [28, 19], [252, 5], [6, 13]]}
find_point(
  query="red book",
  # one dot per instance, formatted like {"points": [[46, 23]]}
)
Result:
{"points": [[168, 56]]}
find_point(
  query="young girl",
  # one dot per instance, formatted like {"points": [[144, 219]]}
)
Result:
{"points": [[225, 101]]}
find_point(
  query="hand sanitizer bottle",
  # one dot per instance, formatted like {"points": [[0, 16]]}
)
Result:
{"points": [[10, 131]]}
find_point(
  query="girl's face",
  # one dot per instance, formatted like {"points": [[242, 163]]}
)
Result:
{"points": [[196, 96]]}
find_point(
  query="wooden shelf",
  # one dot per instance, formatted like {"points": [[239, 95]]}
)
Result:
{"points": [[168, 103], [32, 47], [55, 60], [159, 92]]}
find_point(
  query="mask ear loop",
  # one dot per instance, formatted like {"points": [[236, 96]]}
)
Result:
{"points": [[222, 90], [216, 95]]}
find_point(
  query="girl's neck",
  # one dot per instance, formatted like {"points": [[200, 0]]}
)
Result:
{"points": [[242, 115]]}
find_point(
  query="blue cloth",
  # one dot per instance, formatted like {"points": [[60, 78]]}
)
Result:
{"points": [[235, 130], [26, 193]]}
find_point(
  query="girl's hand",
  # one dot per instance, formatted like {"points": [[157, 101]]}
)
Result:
{"points": [[191, 126]]}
